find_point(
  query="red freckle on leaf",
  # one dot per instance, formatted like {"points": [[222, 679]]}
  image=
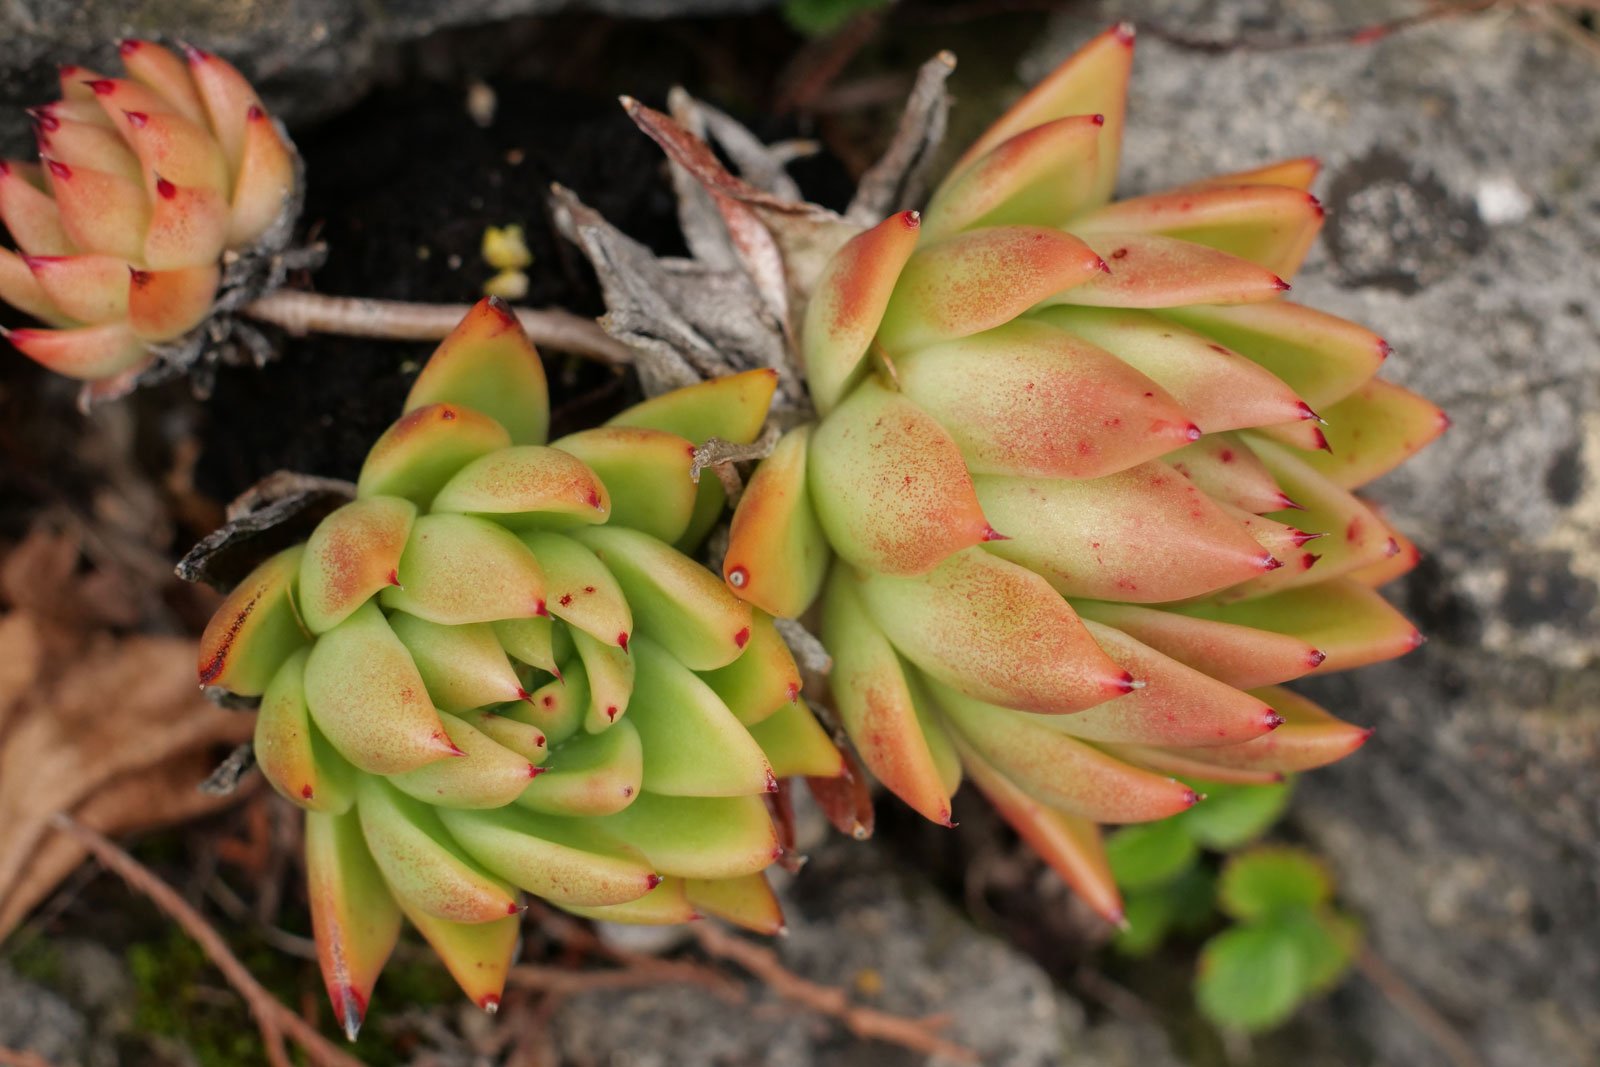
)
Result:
{"points": [[102, 86], [627, 790], [741, 637], [136, 119], [588, 589], [1392, 549], [549, 701], [447, 414], [1218, 348], [166, 189], [1226, 455], [539, 743], [305, 792], [1121, 253], [566, 598], [58, 170], [622, 641]]}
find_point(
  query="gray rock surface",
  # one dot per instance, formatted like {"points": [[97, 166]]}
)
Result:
{"points": [[1463, 189], [309, 57], [859, 923]]}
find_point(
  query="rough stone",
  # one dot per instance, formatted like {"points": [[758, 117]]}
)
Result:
{"points": [[309, 58], [858, 922], [1463, 187]]}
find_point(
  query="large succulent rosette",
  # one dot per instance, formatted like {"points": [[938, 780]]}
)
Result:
{"points": [[1081, 494], [493, 673], [145, 185]]}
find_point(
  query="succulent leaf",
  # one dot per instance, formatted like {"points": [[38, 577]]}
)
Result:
{"points": [[777, 552]]}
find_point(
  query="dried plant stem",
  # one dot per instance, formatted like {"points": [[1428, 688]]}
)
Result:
{"points": [[274, 1020], [1410, 1003], [10, 1057], [763, 963], [300, 312]]}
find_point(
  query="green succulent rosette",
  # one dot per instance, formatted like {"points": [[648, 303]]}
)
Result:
{"points": [[496, 672]]}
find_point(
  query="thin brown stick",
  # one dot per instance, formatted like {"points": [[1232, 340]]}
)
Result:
{"points": [[300, 312], [274, 1020], [10, 1057], [1410, 1003], [869, 1023], [567, 982]]}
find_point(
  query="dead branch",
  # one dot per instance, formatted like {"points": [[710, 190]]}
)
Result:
{"points": [[274, 1020], [869, 1023], [299, 313]]}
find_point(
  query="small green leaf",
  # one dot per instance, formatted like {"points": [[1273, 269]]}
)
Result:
{"points": [[1267, 881], [817, 17], [1148, 914], [1149, 854], [1327, 942], [1234, 815], [1194, 893], [1250, 977]]}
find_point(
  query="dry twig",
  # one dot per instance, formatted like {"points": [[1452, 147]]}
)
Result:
{"points": [[1410, 1003], [869, 1023], [274, 1020], [300, 312]]}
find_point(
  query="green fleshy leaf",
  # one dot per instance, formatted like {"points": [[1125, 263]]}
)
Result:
{"points": [[1250, 977], [1234, 815], [1327, 941], [1150, 854], [1271, 881], [1148, 914], [815, 18]]}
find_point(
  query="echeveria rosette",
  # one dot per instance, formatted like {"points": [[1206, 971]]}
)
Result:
{"points": [[144, 185], [495, 671], [1081, 493]]}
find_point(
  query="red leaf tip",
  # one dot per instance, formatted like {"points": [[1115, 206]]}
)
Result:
{"points": [[539, 610], [255, 114], [1191, 798], [1272, 719], [523, 694], [742, 637], [1280, 285], [622, 641], [652, 880], [1124, 32], [490, 1003], [794, 692], [193, 54], [128, 46], [1193, 433], [737, 577], [102, 86], [1315, 658], [166, 188], [772, 781], [991, 534], [534, 772], [394, 578], [911, 220], [1098, 120], [58, 170]]}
